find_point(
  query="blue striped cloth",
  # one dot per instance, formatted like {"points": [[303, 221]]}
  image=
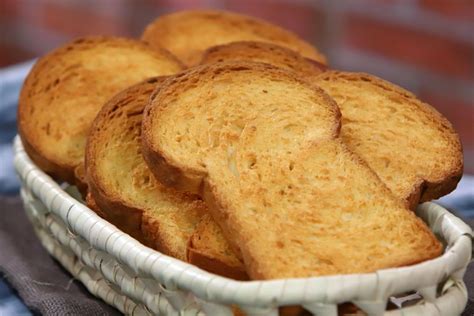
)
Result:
{"points": [[11, 79]]}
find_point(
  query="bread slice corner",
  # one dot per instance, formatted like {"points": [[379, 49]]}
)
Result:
{"points": [[410, 145]]}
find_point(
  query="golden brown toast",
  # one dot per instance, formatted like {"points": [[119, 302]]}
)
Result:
{"points": [[262, 147], [411, 147], [187, 34], [125, 190], [265, 53], [67, 87]]}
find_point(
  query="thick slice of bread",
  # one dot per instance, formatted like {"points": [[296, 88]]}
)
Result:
{"points": [[265, 53], [125, 190], [187, 34], [67, 87], [410, 146], [261, 146]]}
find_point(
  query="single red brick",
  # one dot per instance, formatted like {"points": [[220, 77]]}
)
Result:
{"points": [[427, 50], [461, 116], [79, 21], [458, 9], [299, 17]]}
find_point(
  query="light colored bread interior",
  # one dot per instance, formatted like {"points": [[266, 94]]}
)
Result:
{"points": [[66, 89], [187, 34], [411, 147], [125, 190], [265, 53], [261, 147]]}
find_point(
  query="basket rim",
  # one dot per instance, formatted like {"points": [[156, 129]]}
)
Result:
{"points": [[176, 274]]}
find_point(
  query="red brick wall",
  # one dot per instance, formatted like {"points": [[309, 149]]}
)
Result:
{"points": [[425, 46], [425, 49]]}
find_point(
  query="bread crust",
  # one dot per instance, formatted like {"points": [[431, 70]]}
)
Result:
{"points": [[57, 170], [188, 33], [269, 53], [80, 180], [126, 218], [90, 202], [62, 78], [210, 264], [169, 174], [441, 180]]}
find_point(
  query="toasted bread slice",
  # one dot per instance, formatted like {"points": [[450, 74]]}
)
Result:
{"points": [[125, 190], [67, 87], [265, 53], [410, 146], [187, 34], [261, 146]]}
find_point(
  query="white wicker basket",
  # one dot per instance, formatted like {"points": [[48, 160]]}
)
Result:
{"points": [[140, 281]]}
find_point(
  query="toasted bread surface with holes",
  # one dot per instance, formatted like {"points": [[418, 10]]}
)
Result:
{"points": [[262, 147]]}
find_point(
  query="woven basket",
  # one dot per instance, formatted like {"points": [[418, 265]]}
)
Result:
{"points": [[140, 281]]}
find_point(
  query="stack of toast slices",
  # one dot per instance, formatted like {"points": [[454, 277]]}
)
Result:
{"points": [[269, 162], [122, 186], [240, 150]]}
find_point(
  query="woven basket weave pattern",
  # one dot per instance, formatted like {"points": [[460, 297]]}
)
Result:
{"points": [[140, 281]]}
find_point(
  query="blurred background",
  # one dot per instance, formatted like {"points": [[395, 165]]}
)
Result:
{"points": [[426, 46]]}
